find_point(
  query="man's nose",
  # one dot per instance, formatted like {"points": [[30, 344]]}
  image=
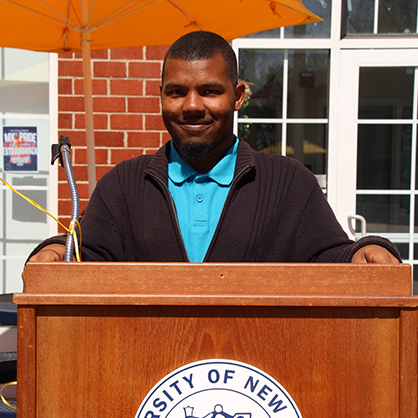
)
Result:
{"points": [[193, 102]]}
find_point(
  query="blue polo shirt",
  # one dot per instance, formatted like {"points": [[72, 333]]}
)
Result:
{"points": [[199, 198]]}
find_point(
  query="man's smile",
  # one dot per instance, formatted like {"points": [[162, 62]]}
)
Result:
{"points": [[195, 125]]}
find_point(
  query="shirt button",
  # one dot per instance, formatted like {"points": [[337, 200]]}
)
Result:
{"points": [[199, 198]]}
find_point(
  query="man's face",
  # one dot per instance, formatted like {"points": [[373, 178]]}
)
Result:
{"points": [[198, 103]]}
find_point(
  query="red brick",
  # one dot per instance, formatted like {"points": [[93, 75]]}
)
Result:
{"points": [[144, 105], [96, 54], [126, 87], [100, 121], [65, 221], [143, 139], [64, 190], [165, 137], [119, 155], [156, 52], [65, 120], [70, 68], [70, 103], [126, 122], [98, 86], [152, 88], [154, 123], [64, 207], [77, 138], [134, 53], [102, 170], [83, 205], [66, 56], [109, 139], [109, 104], [83, 190], [80, 173], [145, 69], [150, 151], [65, 86], [80, 156], [109, 69], [100, 54]]}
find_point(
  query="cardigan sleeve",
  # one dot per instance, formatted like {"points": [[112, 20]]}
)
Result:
{"points": [[102, 223], [322, 237]]}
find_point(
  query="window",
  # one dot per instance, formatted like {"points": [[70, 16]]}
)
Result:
{"points": [[25, 108], [286, 108], [366, 17]]}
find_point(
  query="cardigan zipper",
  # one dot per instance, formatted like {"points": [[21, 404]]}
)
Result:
{"points": [[173, 207]]}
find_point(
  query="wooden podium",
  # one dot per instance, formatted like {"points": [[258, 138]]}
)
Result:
{"points": [[94, 338]]}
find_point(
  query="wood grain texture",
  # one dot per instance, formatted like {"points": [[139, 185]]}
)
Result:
{"points": [[227, 300], [26, 362], [102, 361], [218, 279], [341, 339], [408, 364]]}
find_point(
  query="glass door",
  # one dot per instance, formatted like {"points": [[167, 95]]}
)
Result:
{"points": [[28, 105], [376, 152]]}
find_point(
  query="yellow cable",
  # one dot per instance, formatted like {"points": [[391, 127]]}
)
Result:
{"points": [[73, 225], [3, 398]]}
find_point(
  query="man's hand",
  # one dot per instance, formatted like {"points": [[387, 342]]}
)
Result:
{"points": [[52, 252], [374, 254]]}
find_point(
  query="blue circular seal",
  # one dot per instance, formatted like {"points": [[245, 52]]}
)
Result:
{"points": [[218, 388]]}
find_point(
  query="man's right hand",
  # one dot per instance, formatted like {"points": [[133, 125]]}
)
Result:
{"points": [[50, 253]]}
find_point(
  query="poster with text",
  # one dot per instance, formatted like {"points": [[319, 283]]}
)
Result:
{"points": [[20, 148]]}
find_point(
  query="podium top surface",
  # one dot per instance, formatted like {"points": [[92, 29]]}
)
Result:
{"points": [[222, 284]]}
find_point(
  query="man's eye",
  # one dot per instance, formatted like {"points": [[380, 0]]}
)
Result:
{"points": [[175, 93], [212, 92]]}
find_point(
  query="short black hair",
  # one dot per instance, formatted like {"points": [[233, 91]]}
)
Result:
{"points": [[202, 45]]}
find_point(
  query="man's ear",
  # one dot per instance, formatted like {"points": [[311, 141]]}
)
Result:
{"points": [[239, 95]]}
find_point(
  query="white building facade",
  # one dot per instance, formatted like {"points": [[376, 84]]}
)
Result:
{"points": [[341, 97]]}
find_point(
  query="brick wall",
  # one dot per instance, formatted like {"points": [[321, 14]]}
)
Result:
{"points": [[126, 106]]}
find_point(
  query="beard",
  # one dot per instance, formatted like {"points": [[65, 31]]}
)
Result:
{"points": [[192, 151]]}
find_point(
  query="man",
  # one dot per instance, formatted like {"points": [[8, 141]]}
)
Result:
{"points": [[206, 196]]}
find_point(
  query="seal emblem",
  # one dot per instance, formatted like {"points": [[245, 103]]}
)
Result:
{"points": [[218, 388]]}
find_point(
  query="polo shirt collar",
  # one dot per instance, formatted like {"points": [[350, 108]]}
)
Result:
{"points": [[223, 173]]}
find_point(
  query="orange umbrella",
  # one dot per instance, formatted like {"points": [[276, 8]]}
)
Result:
{"points": [[74, 25]]}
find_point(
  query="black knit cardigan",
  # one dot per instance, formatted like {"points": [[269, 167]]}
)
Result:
{"points": [[274, 212]]}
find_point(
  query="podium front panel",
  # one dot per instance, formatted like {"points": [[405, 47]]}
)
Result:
{"points": [[95, 355], [103, 360]]}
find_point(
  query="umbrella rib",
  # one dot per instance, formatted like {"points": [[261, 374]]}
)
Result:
{"points": [[185, 13], [66, 18], [67, 22], [66, 31], [289, 8], [90, 12], [123, 12]]}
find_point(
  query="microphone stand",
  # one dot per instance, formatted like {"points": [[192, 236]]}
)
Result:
{"points": [[62, 150]]}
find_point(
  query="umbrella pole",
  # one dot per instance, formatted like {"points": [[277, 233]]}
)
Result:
{"points": [[88, 100]]}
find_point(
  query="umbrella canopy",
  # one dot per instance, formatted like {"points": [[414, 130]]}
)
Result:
{"points": [[59, 25], [74, 25]]}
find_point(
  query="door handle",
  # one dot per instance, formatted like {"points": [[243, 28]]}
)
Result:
{"points": [[362, 221]]}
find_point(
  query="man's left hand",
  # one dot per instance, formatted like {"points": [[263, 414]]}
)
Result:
{"points": [[374, 254]]}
